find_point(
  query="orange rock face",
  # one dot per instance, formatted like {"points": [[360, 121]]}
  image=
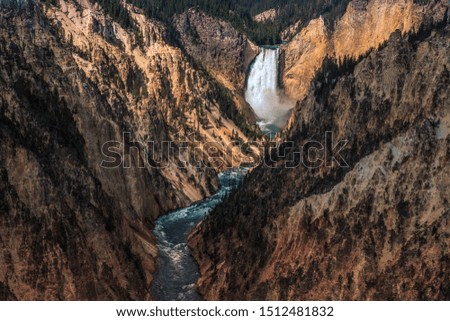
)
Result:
{"points": [[365, 25]]}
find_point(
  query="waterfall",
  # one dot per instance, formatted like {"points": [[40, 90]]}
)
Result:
{"points": [[267, 100]]}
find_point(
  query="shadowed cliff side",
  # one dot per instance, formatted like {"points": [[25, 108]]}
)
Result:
{"points": [[217, 45], [63, 233]]}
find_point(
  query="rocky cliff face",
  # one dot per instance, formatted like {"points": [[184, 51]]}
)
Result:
{"points": [[377, 229], [72, 80], [151, 73], [365, 25], [220, 49], [216, 45]]}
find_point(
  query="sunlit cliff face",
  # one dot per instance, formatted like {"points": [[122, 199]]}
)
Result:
{"points": [[364, 26]]}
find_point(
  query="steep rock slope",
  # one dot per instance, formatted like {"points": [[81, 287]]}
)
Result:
{"points": [[153, 76], [216, 44], [377, 229], [64, 234], [220, 49], [72, 80], [365, 25]]}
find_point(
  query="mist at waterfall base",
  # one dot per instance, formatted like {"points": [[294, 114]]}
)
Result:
{"points": [[269, 103], [177, 272]]}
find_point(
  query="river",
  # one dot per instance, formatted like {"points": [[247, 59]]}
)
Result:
{"points": [[177, 272]]}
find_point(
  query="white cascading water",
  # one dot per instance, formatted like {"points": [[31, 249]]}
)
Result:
{"points": [[262, 93]]}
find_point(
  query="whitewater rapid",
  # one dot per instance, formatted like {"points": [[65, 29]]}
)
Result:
{"points": [[263, 94]]}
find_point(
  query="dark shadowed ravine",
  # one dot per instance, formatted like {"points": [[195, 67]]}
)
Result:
{"points": [[177, 272]]}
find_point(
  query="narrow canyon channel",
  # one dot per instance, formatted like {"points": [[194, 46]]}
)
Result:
{"points": [[177, 272]]}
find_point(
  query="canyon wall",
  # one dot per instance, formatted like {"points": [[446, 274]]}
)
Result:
{"points": [[219, 48], [365, 25], [216, 45], [72, 79], [377, 229]]}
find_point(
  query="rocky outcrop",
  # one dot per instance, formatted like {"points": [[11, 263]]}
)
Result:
{"points": [[303, 56], [377, 229], [365, 25], [289, 32], [72, 80]]}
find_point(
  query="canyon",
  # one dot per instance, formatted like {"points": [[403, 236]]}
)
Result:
{"points": [[75, 224]]}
